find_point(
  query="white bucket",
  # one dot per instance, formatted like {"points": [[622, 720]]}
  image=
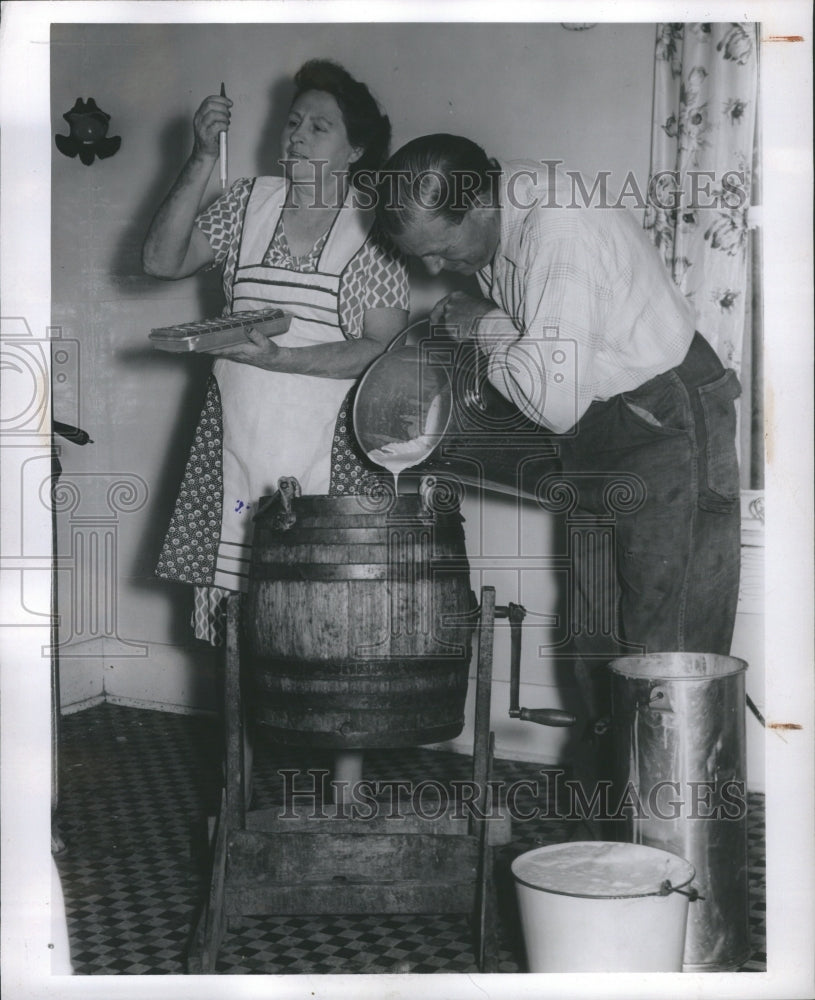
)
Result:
{"points": [[597, 906]]}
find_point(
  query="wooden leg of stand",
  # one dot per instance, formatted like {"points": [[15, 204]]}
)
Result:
{"points": [[232, 815], [483, 742], [487, 908], [483, 691], [210, 929], [234, 722]]}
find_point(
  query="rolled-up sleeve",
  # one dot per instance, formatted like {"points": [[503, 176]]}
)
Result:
{"points": [[560, 315]]}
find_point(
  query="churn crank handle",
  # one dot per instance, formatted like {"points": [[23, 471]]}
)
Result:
{"points": [[547, 716], [516, 614], [542, 716]]}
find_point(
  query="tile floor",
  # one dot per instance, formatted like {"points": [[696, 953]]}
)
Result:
{"points": [[136, 789]]}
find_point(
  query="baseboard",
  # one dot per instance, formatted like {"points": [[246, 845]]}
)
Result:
{"points": [[159, 706], [81, 706], [464, 746]]}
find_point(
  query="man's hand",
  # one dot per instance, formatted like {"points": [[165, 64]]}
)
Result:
{"points": [[460, 313], [260, 351]]}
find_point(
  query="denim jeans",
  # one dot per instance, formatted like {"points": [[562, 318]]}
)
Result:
{"points": [[658, 467]]}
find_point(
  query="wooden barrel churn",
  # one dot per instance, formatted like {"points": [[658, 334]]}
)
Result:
{"points": [[356, 629]]}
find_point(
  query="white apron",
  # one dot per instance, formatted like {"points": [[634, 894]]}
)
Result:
{"points": [[274, 423]]}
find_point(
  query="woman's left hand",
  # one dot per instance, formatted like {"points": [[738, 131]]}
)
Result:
{"points": [[344, 359], [259, 350]]}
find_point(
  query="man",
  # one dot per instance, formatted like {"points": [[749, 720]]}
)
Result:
{"points": [[585, 332]]}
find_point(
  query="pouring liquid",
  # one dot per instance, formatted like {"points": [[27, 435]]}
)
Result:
{"points": [[396, 456]]}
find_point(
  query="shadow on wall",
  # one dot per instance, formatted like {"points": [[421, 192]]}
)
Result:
{"points": [[201, 296], [174, 145], [268, 150]]}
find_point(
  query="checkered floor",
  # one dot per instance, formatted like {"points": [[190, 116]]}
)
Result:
{"points": [[136, 790]]}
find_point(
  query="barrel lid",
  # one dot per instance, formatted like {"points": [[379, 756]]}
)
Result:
{"points": [[599, 869]]}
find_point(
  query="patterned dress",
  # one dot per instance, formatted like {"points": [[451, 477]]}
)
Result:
{"points": [[258, 425]]}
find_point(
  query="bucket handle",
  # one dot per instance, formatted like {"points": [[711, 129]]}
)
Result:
{"points": [[666, 888]]}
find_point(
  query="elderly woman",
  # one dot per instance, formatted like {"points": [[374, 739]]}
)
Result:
{"points": [[278, 407]]}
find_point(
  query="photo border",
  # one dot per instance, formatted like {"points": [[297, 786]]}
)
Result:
{"points": [[26, 149]]}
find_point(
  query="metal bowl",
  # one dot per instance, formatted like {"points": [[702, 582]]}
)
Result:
{"points": [[403, 405]]}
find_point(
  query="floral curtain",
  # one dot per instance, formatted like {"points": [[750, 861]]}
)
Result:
{"points": [[703, 130]]}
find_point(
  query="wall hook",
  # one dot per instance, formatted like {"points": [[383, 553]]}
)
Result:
{"points": [[88, 138]]}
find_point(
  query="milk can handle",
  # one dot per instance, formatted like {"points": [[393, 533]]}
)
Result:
{"points": [[658, 699]]}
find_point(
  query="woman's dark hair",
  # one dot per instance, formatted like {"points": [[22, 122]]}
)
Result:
{"points": [[365, 123], [441, 175]]}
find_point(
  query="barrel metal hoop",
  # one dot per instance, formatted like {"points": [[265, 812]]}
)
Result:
{"points": [[357, 571], [321, 572], [354, 535]]}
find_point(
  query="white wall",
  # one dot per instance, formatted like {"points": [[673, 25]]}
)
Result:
{"points": [[749, 637], [521, 90]]}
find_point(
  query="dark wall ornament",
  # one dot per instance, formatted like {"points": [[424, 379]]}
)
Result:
{"points": [[88, 138]]}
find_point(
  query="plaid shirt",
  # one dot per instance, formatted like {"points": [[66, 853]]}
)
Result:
{"points": [[597, 310]]}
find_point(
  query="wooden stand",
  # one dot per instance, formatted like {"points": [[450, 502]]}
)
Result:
{"points": [[287, 861]]}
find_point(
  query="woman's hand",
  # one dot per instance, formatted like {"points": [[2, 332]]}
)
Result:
{"points": [[460, 313], [211, 118], [174, 246], [259, 350]]}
